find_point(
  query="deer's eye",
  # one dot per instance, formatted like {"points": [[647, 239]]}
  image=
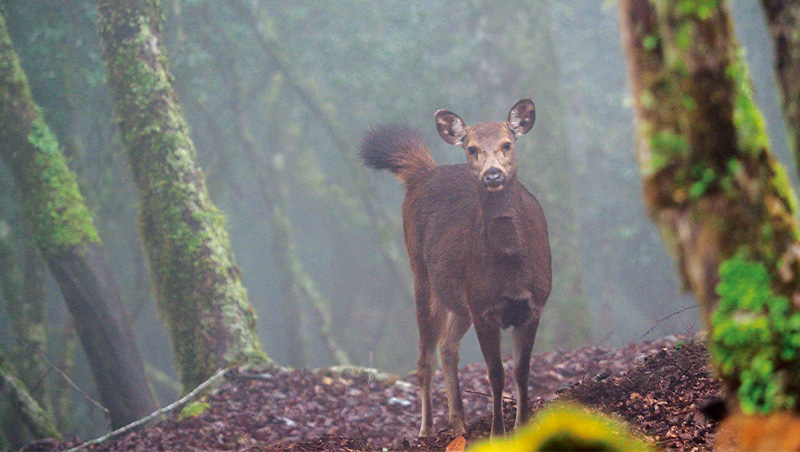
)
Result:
{"points": [[507, 146], [472, 150]]}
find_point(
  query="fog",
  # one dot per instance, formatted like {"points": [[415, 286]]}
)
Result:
{"points": [[303, 83]]}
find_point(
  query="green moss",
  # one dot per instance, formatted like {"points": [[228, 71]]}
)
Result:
{"points": [[51, 198], [704, 177], [783, 187], [747, 118], [567, 428], [756, 338], [703, 9], [667, 147], [59, 214], [199, 290], [193, 409], [650, 42], [683, 40]]}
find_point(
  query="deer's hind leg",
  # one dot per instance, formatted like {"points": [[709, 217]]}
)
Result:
{"points": [[455, 328], [430, 320]]}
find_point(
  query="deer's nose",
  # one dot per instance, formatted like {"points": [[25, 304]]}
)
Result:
{"points": [[493, 177]]}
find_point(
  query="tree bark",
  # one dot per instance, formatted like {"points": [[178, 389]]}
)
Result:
{"points": [[709, 179], [710, 182], [783, 17], [198, 285], [67, 238]]}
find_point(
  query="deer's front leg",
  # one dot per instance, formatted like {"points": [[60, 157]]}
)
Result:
{"points": [[489, 340], [523, 338]]}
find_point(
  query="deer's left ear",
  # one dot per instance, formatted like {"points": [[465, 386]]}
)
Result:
{"points": [[521, 117]]}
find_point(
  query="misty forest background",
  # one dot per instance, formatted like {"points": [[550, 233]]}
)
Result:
{"points": [[277, 96]]}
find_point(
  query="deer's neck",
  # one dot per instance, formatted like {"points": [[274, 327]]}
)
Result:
{"points": [[500, 220]]}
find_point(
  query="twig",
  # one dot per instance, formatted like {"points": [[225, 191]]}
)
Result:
{"points": [[75, 386], [667, 317], [604, 339], [154, 415], [468, 391]]}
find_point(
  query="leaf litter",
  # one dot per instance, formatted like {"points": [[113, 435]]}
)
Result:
{"points": [[657, 386]]}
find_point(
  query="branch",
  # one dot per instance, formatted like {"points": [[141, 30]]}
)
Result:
{"points": [[666, 318], [162, 411], [74, 386]]}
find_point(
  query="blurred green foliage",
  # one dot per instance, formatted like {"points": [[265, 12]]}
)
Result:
{"points": [[756, 338]]}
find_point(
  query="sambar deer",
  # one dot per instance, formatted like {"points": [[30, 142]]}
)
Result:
{"points": [[478, 248]]}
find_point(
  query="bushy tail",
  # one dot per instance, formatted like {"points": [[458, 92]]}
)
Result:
{"points": [[398, 149]]}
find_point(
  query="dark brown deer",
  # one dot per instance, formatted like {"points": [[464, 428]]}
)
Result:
{"points": [[477, 242]]}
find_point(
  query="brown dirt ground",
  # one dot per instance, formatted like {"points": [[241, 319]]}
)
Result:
{"points": [[656, 386]]}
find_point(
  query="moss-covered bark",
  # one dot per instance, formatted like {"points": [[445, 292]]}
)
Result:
{"points": [[710, 182], [66, 236], [783, 17], [38, 420], [199, 289]]}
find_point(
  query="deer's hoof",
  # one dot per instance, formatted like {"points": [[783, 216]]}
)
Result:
{"points": [[426, 430]]}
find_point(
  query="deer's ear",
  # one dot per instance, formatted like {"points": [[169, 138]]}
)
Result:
{"points": [[522, 116], [450, 127]]}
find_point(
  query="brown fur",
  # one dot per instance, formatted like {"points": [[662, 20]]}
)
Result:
{"points": [[479, 252]]}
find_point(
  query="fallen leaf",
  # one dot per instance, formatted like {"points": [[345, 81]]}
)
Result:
{"points": [[456, 445]]}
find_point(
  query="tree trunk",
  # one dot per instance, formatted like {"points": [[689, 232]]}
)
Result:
{"points": [[198, 285], [713, 188], [567, 303], [296, 282], [783, 17], [26, 312], [38, 420], [67, 238], [61, 389]]}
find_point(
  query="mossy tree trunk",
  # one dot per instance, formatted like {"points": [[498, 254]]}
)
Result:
{"points": [[783, 17], [66, 236], [32, 414], [714, 189], [199, 289]]}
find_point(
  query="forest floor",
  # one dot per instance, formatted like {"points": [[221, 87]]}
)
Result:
{"points": [[657, 386]]}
